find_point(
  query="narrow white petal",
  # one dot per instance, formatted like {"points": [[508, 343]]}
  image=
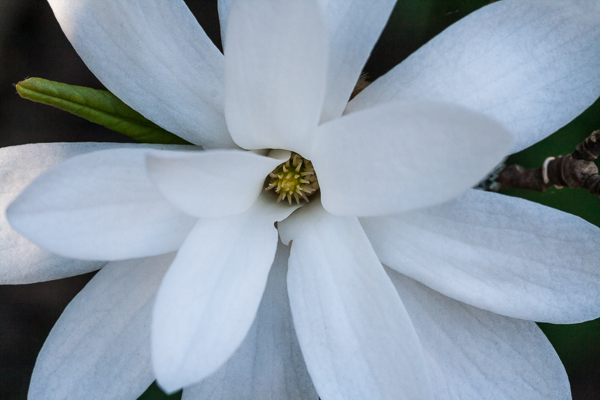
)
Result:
{"points": [[20, 260], [155, 57], [268, 365], [223, 7], [354, 27], [531, 65], [475, 354], [401, 156], [355, 334], [100, 346], [100, 206], [209, 297], [210, 183], [275, 73], [499, 253]]}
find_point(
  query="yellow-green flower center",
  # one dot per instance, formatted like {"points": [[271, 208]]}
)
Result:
{"points": [[295, 179]]}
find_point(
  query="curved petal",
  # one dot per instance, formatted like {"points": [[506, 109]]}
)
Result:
{"points": [[275, 73], [499, 253], [474, 354], [354, 28], [20, 260], [401, 156], [100, 206], [100, 346], [268, 365], [209, 297], [155, 57], [355, 334], [210, 183], [531, 65]]}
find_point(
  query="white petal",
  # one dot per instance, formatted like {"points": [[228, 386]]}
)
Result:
{"points": [[20, 260], [209, 297], [268, 365], [354, 27], [355, 334], [531, 65], [210, 183], [474, 354], [400, 156], [100, 346], [155, 57], [223, 7], [275, 73], [100, 206], [499, 253]]}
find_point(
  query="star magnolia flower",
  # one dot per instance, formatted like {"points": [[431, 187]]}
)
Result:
{"points": [[387, 169]]}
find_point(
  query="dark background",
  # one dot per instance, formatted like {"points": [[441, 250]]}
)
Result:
{"points": [[32, 45]]}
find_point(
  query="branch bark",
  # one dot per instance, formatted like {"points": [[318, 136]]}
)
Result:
{"points": [[575, 170]]}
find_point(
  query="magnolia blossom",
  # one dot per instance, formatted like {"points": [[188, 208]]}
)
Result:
{"points": [[195, 290]]}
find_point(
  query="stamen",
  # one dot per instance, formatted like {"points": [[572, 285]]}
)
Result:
{"points": [[304, 196], [294, 178]]}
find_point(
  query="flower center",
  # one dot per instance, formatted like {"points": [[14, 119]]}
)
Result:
{"points": [[294, 178]]}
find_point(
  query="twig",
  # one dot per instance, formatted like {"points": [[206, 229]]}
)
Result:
{"points": [[575, 170]]}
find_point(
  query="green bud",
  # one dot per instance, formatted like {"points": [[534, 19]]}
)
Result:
{"points": [[97, 106]]}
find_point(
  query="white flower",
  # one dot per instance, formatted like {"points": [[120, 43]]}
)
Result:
{"points": [[288, 70]]}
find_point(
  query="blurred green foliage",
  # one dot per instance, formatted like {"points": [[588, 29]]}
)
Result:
{"points": [[411, 25]]}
